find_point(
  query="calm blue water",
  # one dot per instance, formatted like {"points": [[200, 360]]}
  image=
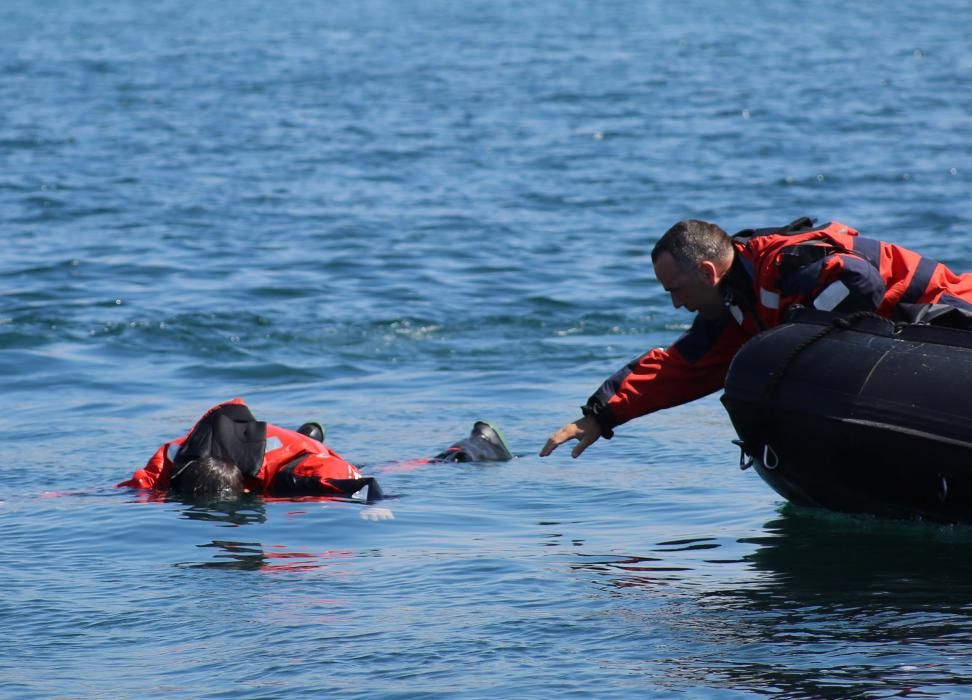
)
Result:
{"points": [[398, 218]]}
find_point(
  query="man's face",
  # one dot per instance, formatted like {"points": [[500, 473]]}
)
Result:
{"points": [[696, 290]]}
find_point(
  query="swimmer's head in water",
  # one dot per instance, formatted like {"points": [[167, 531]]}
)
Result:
{"points": [[210, 479]]}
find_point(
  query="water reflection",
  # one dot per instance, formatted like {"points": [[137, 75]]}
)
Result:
{"points": [[817, 605], [246, 511], [668, 563], [254, 556], [244, 556], [808, 557], [247, 555], [849, 607], [632, 571]]}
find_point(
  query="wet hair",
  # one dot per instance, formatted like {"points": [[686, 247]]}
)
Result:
{"points": [[208, 478], [692, 241]]}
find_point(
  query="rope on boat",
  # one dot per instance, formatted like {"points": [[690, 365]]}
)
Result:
{"points": [[842, 323]]}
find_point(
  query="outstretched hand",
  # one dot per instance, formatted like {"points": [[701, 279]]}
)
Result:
{"points": [[586, 430]]}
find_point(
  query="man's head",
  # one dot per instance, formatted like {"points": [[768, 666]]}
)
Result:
{"points": [[210, 479], [690, 260]]}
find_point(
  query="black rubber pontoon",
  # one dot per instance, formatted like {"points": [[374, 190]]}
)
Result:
{"points": [[856, 415]]}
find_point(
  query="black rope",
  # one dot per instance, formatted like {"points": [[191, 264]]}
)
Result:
{"points": [[842, 323]]}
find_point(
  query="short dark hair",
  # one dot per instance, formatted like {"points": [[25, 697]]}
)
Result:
{"points": [[691, 241], [208, 478]]}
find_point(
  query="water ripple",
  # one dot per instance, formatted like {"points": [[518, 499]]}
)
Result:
{"points": [[402, 219]]}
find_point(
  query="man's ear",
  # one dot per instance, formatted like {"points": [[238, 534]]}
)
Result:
{"points": [[709, 272]]}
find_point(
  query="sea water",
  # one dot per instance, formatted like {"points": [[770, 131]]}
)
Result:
{"points": [[398, 218]]}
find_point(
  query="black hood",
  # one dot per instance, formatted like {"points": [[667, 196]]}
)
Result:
{"points": [[230, 433]]}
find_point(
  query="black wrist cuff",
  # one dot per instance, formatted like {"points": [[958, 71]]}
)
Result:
{"points": [[602, 414]]}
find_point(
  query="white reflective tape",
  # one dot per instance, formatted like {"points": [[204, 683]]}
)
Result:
{"points": [[273, 443], [171, 452], [828, 299], [771, 300], [736, 313]]}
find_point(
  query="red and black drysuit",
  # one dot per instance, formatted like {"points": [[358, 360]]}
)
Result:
{"points": [[829, 267], [274, 461]]}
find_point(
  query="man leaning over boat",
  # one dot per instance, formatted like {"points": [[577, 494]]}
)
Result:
{"points": [[743, 284]]}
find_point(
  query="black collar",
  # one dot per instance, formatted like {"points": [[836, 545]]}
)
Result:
{"points": [[737, 284], [737, 287]]}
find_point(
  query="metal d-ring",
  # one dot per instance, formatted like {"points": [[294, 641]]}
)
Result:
{"points": [[771, 460]]}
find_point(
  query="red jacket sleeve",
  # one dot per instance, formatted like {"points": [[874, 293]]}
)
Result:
{"points": [[694, 366], [155, 473]]}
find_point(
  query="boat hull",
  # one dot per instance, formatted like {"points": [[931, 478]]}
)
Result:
{"points": [[866, 419]]}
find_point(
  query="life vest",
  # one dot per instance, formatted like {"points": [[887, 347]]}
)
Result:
{"points": [[833, 268], [275, 461]]}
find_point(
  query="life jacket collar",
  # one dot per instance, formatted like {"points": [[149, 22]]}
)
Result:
{"points": [[229, 432]]}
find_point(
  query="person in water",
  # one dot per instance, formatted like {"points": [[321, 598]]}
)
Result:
{"points": [[209, 479], [741, 285], [228, 452]]}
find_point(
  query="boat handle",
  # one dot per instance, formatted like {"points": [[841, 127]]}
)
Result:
{"points": [[745, 459], [771, 460]]}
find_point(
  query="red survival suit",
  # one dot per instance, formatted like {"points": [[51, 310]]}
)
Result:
{"points": [[274, 461], [829, 267]]}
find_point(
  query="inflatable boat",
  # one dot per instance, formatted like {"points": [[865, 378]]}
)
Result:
{"points": [[857, 414]]}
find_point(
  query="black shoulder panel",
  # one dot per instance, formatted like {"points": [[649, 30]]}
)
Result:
{"points": [[230, 433], [801, 225]]}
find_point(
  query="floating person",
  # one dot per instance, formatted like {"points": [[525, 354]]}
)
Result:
{"points": [[743, 284], [229, 452]]}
